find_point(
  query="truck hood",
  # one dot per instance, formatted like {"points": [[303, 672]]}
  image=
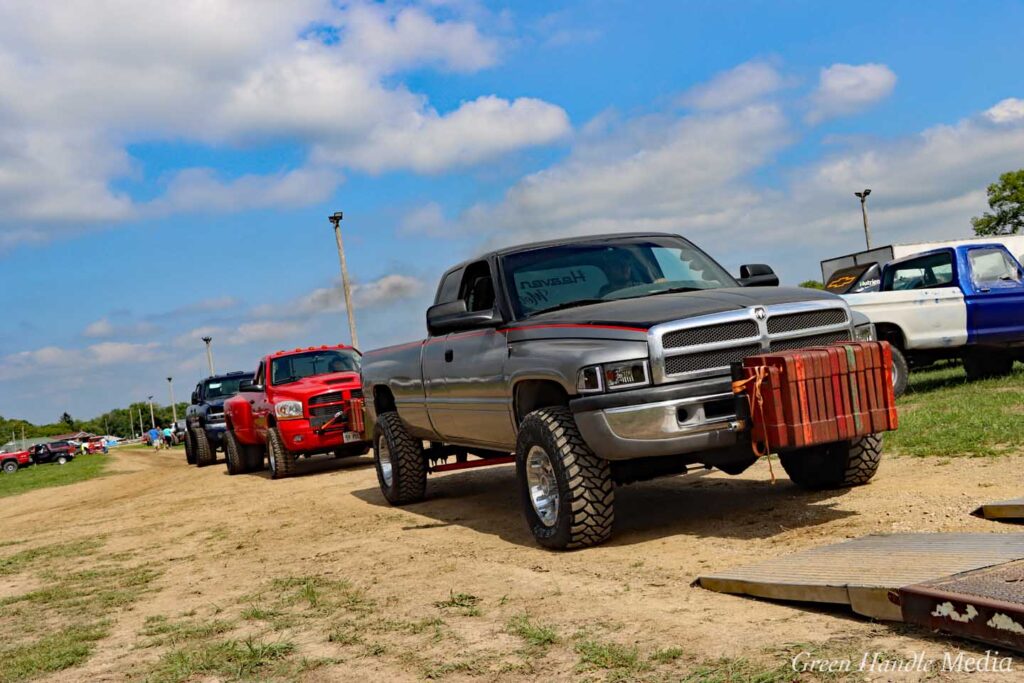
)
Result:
{"points": [[648, 311], [320, 384]]}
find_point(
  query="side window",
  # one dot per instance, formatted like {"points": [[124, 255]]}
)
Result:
{"points": [[992, 265], [477, 288], [927, 272], [449, 289]]}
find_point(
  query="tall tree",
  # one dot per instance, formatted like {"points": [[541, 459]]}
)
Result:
{"points": [[67, 420], [1006, 199]]}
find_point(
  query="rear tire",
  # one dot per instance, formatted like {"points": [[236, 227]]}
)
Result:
{"points": [[201, 448], [834, 465], [233, 454], [983, 364], [900, 372], [10, 466], [62, 460], [282, 461], [190, 451], [398, 457], [568, 495]]}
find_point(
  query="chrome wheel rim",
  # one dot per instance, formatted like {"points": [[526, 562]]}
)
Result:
{"points": [[384, 461], [895, 375], [542, 485]]}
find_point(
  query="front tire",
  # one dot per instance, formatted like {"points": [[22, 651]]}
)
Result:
{"points": [[834, 465], [10, 467], [201, 447], [62, 460], [567, 492], [282, 461], [398, 457], [233, 454]]}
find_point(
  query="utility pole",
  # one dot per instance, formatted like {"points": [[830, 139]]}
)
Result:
{"points": [[863, 196], [174, 408], [152, 417], [335, 220], [141, 428], [131, 423], [209, 354]]}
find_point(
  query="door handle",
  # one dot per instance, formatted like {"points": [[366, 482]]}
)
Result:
{"points": [[449, 356]]}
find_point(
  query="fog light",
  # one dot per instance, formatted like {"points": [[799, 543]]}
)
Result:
{"points": [[297, 439]]}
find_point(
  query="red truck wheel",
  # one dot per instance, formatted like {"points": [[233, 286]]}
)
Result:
{"points": [[233, 454], [10, 466], [282, 461]]}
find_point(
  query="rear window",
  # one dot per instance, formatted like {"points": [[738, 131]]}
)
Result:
{"points": [[927, 272]]}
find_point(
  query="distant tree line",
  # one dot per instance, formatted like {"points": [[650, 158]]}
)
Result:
{"points": [[115, 422]]}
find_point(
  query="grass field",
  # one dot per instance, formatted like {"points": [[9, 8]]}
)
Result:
{"points": [[942, 414], [41, 476]]}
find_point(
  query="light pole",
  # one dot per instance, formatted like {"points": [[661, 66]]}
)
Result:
{"points": [[335, 220], [152, 417], [141, 428], [209, 354], [131, 423], [863, 196], [174, 408]]}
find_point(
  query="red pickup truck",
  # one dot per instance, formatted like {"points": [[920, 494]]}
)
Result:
{"points": [[12, 462], [299, 403]]}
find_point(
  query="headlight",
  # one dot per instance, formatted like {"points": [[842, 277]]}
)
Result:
{"points": [[864, 333], [612, 376], [288, 410]]}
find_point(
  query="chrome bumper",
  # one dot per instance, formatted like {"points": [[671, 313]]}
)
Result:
{"points": [[673, 427]]}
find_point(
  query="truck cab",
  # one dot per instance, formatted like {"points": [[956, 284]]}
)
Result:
{"points": [[204, 418], [302, 402], [964, 302]]}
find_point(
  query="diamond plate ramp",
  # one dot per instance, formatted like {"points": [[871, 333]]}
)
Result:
{"points": [[984, 604], [1004, 510], [863, 571]]}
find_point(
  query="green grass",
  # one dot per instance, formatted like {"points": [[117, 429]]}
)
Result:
{"points": [[466, 604], [942, 414], [46, 554], [624, 662], [535, 634], [57, 651], [228, 659], [164, 631], [81, 468]]}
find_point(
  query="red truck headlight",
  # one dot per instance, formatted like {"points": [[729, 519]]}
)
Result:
{"points": [[288, 410]]}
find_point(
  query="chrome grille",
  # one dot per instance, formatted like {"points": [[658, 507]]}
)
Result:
{"points": [[708, 360], [707, 345], [813, 340], [742, 329], [780, 324]]}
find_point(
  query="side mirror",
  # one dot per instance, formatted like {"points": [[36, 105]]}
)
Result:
{"points": [[249, 385], [195, 397], [453, 317], [758, 275]]}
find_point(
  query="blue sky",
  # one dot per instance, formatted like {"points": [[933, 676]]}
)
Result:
{"points": [[167, 172]]}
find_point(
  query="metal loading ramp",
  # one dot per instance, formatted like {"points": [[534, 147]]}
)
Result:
{"points": [[862, 572], [1004, 510]]}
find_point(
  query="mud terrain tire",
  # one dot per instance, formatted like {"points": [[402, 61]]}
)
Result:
{"points": [[900, 372], [233, 454], [398, 459], [190, 450], [282, 461], [582, 508], [834, 465], [204, 455]]}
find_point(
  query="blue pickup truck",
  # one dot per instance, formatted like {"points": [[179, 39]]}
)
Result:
{"points": [[963, 302]]}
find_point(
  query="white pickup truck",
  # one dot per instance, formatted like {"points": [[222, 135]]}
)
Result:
{"points": [[963, 302]]}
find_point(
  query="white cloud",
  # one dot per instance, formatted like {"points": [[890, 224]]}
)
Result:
{"points": [[263, 330], [104, 329], [1009, 110], [740, 85], [99, 328], [82, 81], [384, 290], [427, 219], [50, 361], [847, 89]]}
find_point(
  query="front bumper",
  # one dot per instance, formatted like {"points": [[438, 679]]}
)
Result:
{"points": [[674, 419], [215, 432], [300, 437]]}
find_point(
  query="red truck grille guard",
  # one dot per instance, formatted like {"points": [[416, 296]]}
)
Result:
{"points": [[343, 416]]}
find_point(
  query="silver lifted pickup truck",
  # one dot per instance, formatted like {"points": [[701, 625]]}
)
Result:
{"points": [[597, 361]]}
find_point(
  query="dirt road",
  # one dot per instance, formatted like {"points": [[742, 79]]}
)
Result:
{"points": [[454, 587]]}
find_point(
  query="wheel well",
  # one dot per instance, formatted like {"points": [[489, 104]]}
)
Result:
{"points": [[890, 333], [533, 394], [383, 400]]}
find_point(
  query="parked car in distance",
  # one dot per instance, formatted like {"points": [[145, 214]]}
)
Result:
{"points": [[300, 403], [204, 418], [964, 302], [12, 462], [597, 361], [60, 452]]}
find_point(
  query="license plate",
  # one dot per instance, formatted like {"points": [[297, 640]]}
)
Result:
{"points": [[352, 437]]}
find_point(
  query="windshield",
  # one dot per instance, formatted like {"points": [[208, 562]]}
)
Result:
{"points": [[223, 388], [575, 274], [301, 365]]}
